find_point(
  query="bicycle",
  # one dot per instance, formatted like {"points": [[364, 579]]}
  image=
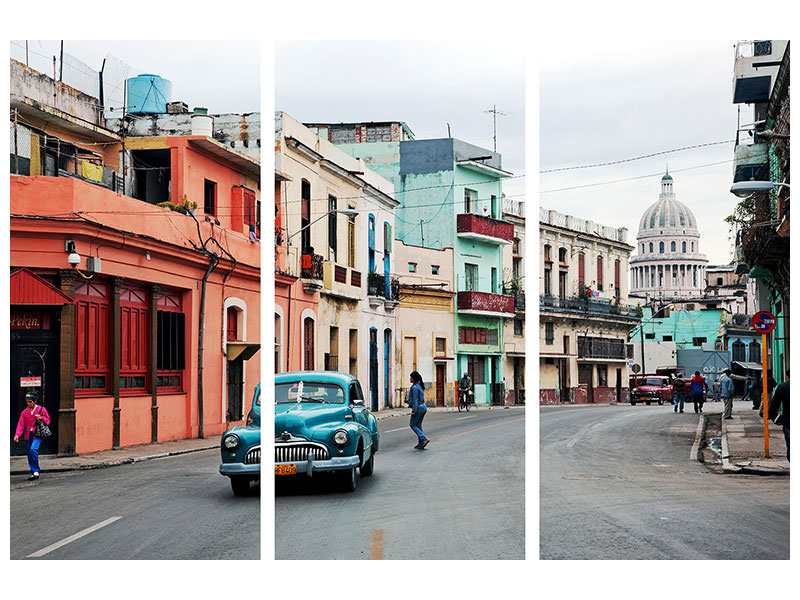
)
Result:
{"points": [[464, 400]]}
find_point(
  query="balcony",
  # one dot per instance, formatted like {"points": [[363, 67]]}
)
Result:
{"points": [[513, 289], [486, 229], [751, 161], [311, 272], [588, 307], [383, 290], [486, 304]]}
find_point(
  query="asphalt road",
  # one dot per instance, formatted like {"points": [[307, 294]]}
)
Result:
{"points": [[618, 482], [463, 497], [176, 507]]}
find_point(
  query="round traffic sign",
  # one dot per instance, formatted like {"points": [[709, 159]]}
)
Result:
{"points": [[635, 368], [763, 321]]}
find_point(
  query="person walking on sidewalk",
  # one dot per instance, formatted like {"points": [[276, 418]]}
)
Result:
{"points": [[26, 427], [748, 389], [716, 387], [678, 392], [726, 389], [416, 399], [699, 389], [780, 404]]}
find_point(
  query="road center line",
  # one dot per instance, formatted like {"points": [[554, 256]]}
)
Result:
{"points": [[73, 537], [447, 439], [376, 546], [399, 429]]}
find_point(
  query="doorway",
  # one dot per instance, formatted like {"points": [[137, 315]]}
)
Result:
{"points": [[585, 375], [235, 390], [440, 384]]}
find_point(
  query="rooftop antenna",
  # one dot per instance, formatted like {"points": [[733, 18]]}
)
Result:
{"points": [[495, 112]]}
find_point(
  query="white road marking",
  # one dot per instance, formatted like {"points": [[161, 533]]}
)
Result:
{"points": [[462, 418], [73, 537], [393, 430], [572, 442]]}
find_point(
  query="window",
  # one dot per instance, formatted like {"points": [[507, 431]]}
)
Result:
{"points": [[379, 133], [683, 246], [661, 247], [492, 337], [649, 336], [651, 247], [471, 277], [602, 375], [495, 212], [562, 256], [305, 216], [440, 346], [470, 200], [547, 257], [666, 338], [518, 327], [698, 341], [351, 240], [332, 217], [91, 337], [475, 335], [434, 269], [170, 340], [600, 273], [738, 351], [616, 278], [755, 352], [549, 333], [719, 280], [581, 271], [672, 246], [210, 197], [494, 280], [134, 338], [562, 284], [692, 246], [232, 322], [308, 344], [412, 267], [548, 276]]}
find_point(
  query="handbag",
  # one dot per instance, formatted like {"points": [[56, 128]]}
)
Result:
{"points": [[42, 431]]}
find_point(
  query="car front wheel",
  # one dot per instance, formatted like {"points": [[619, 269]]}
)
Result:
{"points": [[240, 485], [368, 467], [349, 480]]}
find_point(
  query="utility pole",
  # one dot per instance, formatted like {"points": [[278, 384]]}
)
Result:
{"points": [[495, 112]]}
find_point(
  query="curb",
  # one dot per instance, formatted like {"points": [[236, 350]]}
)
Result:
{"points": [[727, 467], [730, 468], [114, 463]]}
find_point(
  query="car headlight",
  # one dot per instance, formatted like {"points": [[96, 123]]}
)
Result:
{"points": [[231, 441], [341, 437]]}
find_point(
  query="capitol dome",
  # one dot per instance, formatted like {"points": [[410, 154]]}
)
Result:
{"points": [[668, 263]]}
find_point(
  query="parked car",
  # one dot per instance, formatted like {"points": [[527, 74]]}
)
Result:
{"points": [[322, 425], [240, 448], [652, 388]]}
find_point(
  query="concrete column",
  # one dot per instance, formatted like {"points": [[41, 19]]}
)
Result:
{"points": [[66, 407]]}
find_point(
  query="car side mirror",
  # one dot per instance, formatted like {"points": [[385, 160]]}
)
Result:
{"points": [[358, 402]]}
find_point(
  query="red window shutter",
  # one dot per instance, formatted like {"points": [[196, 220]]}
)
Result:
{"points": [[232, 324], [599, 272], [480, 335]]}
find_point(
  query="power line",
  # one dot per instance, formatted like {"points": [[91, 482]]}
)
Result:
{"points": [[576, 187], [625, 160]]}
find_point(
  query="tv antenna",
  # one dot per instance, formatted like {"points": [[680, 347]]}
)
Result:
{"points": [[495, 112]]}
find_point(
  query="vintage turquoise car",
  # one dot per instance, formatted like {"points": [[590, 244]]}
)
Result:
{"points": [[323, 426], [240, 447]]}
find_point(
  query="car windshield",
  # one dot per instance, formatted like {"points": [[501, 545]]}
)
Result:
{"points": [[308, 391], [655, 382]]}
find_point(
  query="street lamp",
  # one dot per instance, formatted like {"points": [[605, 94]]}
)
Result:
{"points": [[743, 189]]}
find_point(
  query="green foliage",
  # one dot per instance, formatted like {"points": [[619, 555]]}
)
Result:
{"points": [[183, 207]]}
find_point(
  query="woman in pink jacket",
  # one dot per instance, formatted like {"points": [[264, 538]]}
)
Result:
{"points": [[27, 427]]}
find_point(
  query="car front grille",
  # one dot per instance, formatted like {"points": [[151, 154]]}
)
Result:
{"points": [[253, 456], [295, 452]]}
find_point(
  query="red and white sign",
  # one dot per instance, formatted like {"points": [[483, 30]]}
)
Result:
{"points": [[30, 382], [763, 321]]}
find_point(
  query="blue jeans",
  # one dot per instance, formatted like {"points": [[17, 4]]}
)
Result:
{"points": [[32, 450], [416, 422], [677, 400]]}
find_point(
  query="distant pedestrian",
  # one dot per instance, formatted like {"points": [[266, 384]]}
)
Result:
{"points": [[699, 389], [26, 428], [726, 390], [416, 399], [780, 404], [716, 387], [757, 395], [748, 389], [678, 392]]}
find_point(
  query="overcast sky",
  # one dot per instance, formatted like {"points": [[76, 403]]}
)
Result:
{"points": [[425, 84], [619, 99], [222, 76]]}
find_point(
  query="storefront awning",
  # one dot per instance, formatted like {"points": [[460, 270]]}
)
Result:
{"points": [[29, 289], [748, 366], [243, 350]]}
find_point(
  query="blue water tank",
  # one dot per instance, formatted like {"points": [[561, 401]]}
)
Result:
{"points": [[148, 93]]}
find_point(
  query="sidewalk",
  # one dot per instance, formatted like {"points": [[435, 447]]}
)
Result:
{"points": [[743, 443], [50, 463]]}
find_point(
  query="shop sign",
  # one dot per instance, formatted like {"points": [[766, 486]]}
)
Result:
{"points": [[26, 320]]}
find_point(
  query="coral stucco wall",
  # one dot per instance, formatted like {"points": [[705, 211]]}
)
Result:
{"points": [[135, 420], [94, 425]]}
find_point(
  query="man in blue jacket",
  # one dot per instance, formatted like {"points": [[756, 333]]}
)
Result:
{"points": [[726, 389]]}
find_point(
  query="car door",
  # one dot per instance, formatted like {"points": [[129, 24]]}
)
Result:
{"points": [[356, 400]]}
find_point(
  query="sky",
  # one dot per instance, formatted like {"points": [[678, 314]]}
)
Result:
{"points": [[222, 76], [620, 99], [425, 84]]}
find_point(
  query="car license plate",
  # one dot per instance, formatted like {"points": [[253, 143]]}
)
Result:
{"points": [[285, 469], [644, 398]]}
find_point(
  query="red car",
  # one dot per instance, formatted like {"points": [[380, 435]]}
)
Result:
{"points": [[652, 388]]}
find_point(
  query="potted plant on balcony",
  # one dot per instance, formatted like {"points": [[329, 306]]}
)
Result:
{"points": [[184, 207]]}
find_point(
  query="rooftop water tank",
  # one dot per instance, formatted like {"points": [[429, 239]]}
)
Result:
{"points": [[148, 93]]}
